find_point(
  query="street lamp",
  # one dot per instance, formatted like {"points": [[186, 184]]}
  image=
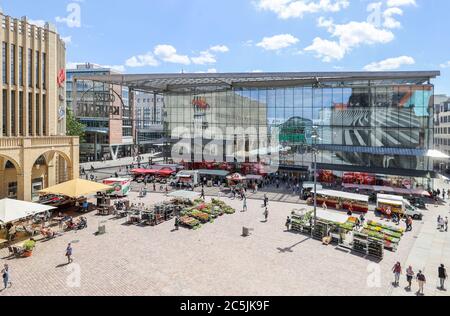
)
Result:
{"points": [[315, 137]]}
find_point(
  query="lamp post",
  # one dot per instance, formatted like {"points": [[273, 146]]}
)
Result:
{"points": [[314, 150]]}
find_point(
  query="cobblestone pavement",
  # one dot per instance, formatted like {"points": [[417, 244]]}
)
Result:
{"points": [[214, 260]]}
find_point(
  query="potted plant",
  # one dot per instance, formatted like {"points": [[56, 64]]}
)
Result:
{"points": [[28, 247]]}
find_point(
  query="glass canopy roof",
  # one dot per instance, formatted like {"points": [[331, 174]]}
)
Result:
{"points": [[164, 83]]}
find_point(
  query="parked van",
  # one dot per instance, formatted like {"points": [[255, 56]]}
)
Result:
{"points": [[398, 205]]}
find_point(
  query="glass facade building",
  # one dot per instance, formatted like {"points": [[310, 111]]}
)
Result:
{"points": [[377, 123]]}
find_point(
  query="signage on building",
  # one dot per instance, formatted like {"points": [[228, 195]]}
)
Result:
{"points": [[200, 103], [61, 77], [100, 104]]}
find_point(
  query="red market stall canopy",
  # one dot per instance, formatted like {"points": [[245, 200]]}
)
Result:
{"points": [[166, 172]]}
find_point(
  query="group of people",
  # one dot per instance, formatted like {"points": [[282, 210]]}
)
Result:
{"points": [[78, 224], [420, 277]]}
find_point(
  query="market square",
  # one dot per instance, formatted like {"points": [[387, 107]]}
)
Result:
{"points": [[213, 260], [216, 149]]}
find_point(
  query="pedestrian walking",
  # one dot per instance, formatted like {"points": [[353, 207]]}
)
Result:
{"points": [[5, 275], [442, 224], [409, 277], [244, 207], [177, 223], [409, 224], [288, 224], [421, 280], [442, 272], [266, 214], [202, 196], [362, 218], [446, 224], [69, 252], [397, 270]]}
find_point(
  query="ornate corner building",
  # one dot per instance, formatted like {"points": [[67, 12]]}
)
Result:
{"points": [[34, 151]]}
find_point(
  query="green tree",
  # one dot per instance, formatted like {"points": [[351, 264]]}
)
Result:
{"points": [[74, 127]]}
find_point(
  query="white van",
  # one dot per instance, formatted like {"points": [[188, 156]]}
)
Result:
{"points": [[397, 205]]}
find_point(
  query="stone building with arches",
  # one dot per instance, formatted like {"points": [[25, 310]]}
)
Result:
{"points": [[35, 152]]}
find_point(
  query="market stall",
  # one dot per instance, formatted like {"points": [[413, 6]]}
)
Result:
{"points": [[187, 178], [19, 219], [369, 239], [202, 213], [236, 180], [120, 186], [14, 210], [213, 176], [77, 189], [342, 200]]}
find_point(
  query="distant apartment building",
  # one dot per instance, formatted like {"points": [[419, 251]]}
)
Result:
{"points": [[442, 129], [149, 114], [105, 111]]}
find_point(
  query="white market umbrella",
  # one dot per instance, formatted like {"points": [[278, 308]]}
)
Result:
{"points": [[14, 210]]}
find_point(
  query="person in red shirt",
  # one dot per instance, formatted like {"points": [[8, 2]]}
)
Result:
{"points": [[397, 269]]}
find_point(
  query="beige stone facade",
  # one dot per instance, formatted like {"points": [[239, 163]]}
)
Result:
{"points": [[34, 151]]}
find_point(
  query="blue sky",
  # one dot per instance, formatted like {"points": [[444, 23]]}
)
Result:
{"points": [[142, 36]]}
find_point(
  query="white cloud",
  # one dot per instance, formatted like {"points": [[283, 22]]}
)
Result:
{"points": [[219, 49], [354, 34], [209, 71], [445, 65], [67, 39], [325, 23], [142, 61], [168, 53], [39, 23], [326, 50], [204, 58], [390, 64], [286, 9], [348, 36], [118, 68], [278, 42], [72, 65], [401, 3], [389, 21], [73, 18]]}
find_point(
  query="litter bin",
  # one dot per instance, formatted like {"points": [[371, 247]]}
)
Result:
{"points": [[101, 228], [246, 231]]}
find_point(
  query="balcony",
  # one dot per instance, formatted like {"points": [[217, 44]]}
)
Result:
{"points": [[48, 141]]}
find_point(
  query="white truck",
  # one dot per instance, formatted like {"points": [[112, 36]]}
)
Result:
{"points": [[397, 205], [186, 178]]}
